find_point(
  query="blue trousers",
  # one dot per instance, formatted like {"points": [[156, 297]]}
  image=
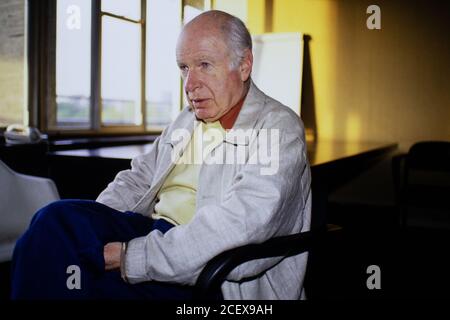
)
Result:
{"points": [[73, 233]]}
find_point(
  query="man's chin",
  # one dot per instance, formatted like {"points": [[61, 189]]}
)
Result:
{"points": [[204, 117]]}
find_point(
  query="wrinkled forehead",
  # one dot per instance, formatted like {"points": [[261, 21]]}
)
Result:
{"points": [[200, 42]]}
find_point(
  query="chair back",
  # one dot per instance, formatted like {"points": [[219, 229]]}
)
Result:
{"points": [[20, 197], [429, 156], [422, 180], [428, 166]]}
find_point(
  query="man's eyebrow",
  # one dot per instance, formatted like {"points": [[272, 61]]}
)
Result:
{"points": [[198, 59], [208, 58]]}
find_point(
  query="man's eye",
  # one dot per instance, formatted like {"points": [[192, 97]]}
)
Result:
{"points": [[205, 65], [183, 71]]}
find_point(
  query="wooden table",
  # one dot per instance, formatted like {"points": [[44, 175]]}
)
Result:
{"points": [[319, 154], [325, 153], [332, 164]]}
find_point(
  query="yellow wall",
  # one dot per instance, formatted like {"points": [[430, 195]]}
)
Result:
{"points": [[373, 85], [256, 15]]}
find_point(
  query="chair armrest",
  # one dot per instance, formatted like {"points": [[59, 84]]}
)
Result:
{"points": [[216, 270]]}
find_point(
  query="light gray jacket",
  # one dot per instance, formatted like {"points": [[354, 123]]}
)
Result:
{"points": [[235, 205]]}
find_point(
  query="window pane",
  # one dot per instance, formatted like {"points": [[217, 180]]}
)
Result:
{"points": [[163, 78], [127, 8], [12, 18], [73, 62], [191, 9], [190, 12], [121, 52]]}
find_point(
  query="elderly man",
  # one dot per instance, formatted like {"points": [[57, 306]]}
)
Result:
{"points": [[212, 181]]}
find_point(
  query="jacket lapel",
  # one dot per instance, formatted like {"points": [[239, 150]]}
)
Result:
{"points": [[174, 147]]}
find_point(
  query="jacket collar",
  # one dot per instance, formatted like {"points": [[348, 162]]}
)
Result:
{"points": [[248, 116], [251, 109]]}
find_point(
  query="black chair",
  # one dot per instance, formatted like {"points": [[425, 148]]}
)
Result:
{"points": [[217, 269], [422, 179]]}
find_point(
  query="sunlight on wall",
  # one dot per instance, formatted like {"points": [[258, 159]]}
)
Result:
{"points": [[256, 14], [352, 127], [317, 19], [364, 80]]}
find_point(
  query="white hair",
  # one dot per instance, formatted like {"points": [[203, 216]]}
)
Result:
{"points": [[235, 33], [238, 38]]}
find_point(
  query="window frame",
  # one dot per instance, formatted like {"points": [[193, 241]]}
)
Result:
{"points": [[41, 49]]}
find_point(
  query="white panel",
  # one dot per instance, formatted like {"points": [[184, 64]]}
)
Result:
{"points": [[277, 67]]}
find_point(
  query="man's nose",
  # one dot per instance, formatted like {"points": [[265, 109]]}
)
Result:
{"points": [[191, 82]]}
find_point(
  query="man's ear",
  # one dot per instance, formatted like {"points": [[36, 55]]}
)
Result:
{"points": [[246, 65]]}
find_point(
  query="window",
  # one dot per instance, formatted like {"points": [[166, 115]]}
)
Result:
{"points": [[73, 63], [162, 86], [115, 68], [192, 8], [108, 66], [120, 72]]}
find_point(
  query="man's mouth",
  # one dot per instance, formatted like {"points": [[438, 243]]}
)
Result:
{"points": [[197, 102]]}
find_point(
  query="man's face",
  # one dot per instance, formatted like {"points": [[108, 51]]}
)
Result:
{"points": [[212, 87]]}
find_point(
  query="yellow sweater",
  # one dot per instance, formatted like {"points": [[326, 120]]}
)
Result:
{"points": [[176, 199]]}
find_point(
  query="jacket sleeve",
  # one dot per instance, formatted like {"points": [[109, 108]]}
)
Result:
{"points": [[255, 208], [130, 185]]}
